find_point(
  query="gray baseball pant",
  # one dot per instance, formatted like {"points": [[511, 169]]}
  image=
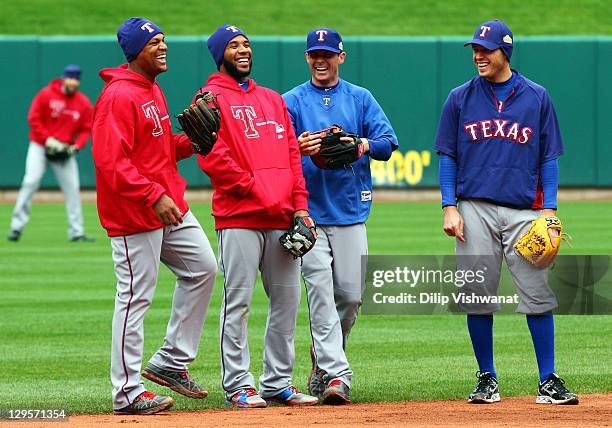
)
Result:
{"points": [[491, 231], [335, 282], [242, 253], [67, 175], [185, 250]]}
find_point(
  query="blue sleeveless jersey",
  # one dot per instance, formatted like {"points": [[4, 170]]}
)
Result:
{"points": [[499, 145], [342, 196]]}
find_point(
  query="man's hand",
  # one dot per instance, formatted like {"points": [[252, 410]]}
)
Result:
{"points": [[364, 141], [453, 222], [300, 213], [552, 233], [301, 236], [310, 144], [167, 211]]}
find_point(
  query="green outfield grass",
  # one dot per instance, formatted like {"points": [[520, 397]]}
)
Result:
{"points": [[57, 300], [383, 17]]}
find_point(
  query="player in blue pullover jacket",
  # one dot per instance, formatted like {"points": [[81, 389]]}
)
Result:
{"points": [[498, 142], [339, 201]]}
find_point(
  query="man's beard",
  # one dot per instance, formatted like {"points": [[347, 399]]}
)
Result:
{"points": [[233, 71], [70, 91]]}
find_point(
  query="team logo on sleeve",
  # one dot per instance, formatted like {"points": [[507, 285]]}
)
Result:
{"points": [[498, 128]]}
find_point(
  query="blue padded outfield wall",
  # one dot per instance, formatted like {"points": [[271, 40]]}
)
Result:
{"points": [[409, 76]]}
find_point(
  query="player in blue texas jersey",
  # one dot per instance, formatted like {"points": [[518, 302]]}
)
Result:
{"points": [[339, 201], [498, 141]]}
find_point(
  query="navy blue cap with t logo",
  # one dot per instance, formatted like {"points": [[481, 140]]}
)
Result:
{"points": [[324, 39], [493, 35]]}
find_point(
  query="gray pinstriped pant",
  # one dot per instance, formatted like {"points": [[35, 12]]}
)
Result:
{"points": [[242, 253], [67, 175], [490, 232], [185, 250], [335, 281]]}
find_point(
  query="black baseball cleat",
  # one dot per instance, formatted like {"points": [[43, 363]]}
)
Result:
{"points": [[486, 391], [553, 391], [146, 403], [14, 235], [82, 238], [178, 381]]}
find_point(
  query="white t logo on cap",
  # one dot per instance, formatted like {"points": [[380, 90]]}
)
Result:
{"points": [[484, 31], [321, 33], [147, 26], [232, 29]]}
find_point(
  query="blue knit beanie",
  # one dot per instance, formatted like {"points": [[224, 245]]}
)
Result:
{"points": [[72, 71], [134, 34], [218, 41]]}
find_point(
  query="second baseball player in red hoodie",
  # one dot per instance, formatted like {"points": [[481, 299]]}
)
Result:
{"points": [[256, 171]]}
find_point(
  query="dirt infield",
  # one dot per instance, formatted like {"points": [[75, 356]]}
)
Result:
{"points": [[593, 410]]}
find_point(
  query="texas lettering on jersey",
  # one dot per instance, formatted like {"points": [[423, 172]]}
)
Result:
{"points": [[498, 128]]}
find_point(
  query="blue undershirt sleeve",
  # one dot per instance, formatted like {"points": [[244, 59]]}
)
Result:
{"points": [[381, 149], [549, 175], [448, 180]]}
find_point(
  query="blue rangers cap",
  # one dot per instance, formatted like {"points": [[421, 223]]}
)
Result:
{"points": [[493, 35], [324, 39]]}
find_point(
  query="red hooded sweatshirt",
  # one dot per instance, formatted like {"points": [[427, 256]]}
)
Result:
{"points": [[255, 166], [55, 114], [135, 153]]}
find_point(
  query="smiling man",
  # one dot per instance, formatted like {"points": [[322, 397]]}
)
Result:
{"points": [[498, 141], [339, 201], [259, 188], [141, 205]]}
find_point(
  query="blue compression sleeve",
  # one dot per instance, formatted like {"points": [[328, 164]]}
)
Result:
{"points": [[550, 182], [481, 333], [542, 328], [447, 172], [381, 149]]}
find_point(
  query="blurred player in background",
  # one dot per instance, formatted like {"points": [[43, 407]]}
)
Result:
{"points": [[141, 205], [259, 188], [60, 124], [498, 142], [340, 202]]}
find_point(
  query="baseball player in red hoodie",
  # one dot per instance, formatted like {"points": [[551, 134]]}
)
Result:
{"points": [[141, 205], [60, 124], [256, 171]]}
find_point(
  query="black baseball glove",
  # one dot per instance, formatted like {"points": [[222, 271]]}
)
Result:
{"points": [[301, 236], [336, 153], [57, 151], [201, 122]]}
